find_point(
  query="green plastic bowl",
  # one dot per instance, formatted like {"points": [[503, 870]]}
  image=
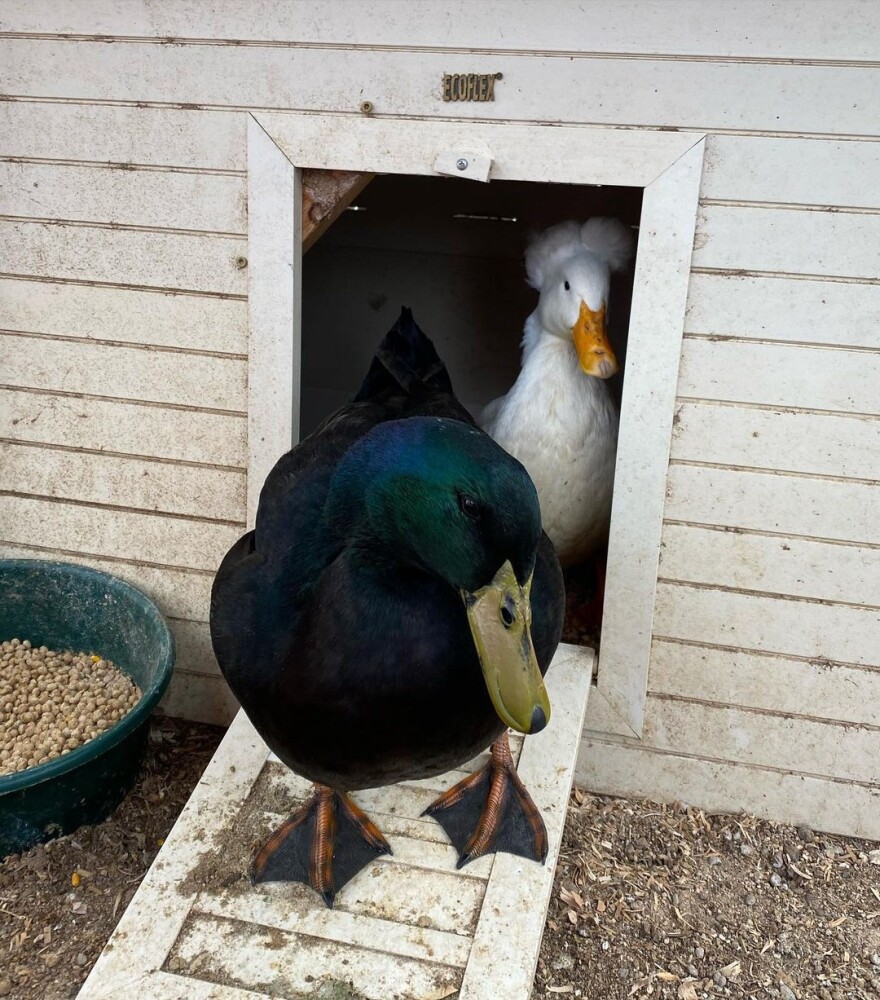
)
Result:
{"points": [[66, 606]]}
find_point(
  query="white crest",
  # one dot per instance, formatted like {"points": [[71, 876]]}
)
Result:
{"points": [[609, 239]]}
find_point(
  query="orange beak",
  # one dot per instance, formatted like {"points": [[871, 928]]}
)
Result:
{"points": [[591, 343]]}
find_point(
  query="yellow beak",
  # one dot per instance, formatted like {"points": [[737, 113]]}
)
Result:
{"points": [[591, 343], [499, 615]]}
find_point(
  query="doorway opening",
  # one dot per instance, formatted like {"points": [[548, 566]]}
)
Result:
{"points": [[453, 252]]}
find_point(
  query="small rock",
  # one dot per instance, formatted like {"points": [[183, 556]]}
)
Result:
{"points": [[174, 964], [874, 857], [692, 971], [5, 987], [81, 960], [875, 960], [564, 962], [793, 850], [699, 952], [775, 880], [806, 834], [751, 900], [786, 993], [720, 980], [714, 860], [745, 850], [623, 972]]}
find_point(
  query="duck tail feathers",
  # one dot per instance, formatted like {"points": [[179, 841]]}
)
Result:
{"points": [[406, 359]]}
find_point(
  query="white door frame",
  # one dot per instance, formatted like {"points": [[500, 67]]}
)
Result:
{"points": [[668, 165]]}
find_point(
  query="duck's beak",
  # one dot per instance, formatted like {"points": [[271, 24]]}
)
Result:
{"points": [[500, 616], [591, 342]]}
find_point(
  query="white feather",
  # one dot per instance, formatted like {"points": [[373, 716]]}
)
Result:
{"points": [[550, 248], [608, 239], [562, 426], [560, 423]]}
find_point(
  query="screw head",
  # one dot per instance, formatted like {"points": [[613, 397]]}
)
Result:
{"points": [[462, 164]]}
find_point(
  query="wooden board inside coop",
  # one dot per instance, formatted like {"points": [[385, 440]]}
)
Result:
{"points": [[408, 927]]}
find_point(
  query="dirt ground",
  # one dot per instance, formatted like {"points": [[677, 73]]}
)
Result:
{"points": [[649, 900], [666, 901], [51, 930]]}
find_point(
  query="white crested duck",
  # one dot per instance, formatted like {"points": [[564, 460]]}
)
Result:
{"points": [[559, 417]]}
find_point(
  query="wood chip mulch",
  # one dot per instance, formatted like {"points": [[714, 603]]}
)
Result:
{"points": [[667, 901], [60, 901]]}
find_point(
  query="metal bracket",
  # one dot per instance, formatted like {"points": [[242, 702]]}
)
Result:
{"points": [[458, 163]]}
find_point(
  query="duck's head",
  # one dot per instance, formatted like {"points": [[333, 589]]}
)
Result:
{"points": [[439, 496], [571, 264]]}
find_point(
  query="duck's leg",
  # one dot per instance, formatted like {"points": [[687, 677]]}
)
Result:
{"points": [[492, 811], [325, 844]]}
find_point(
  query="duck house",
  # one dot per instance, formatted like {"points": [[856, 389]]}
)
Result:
{"points": [[211, 214]]}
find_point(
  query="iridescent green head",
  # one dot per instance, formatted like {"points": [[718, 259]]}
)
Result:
{"points": [[440, 496]]}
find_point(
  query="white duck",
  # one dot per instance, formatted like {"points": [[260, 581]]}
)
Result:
{"points": [[559, 418]]}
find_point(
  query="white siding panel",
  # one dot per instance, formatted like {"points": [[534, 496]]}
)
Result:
{"points": [[781, 375], [127, 428], [800, 567], [815, 508], [827, 444], [792, 241], [699, 94], [791, 171], [118, 256], [165, 487], [199, 698], [152, 538], [164, 199], [796, 29], [721, 786], [178, 593], [165, 319], [178, 137], [773, 625], [822, 312], [193, 646], [747, 737], [126, 372], [773, 683]]}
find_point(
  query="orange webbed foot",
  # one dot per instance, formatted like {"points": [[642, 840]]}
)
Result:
{"points": [[325, 844], [492, 811]]}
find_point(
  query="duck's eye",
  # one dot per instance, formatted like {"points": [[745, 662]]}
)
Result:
{"points": [[566, 286], [507, 616], [469, 506]]}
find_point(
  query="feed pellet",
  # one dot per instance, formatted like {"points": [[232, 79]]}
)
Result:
{"points": [[53, 702]]}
